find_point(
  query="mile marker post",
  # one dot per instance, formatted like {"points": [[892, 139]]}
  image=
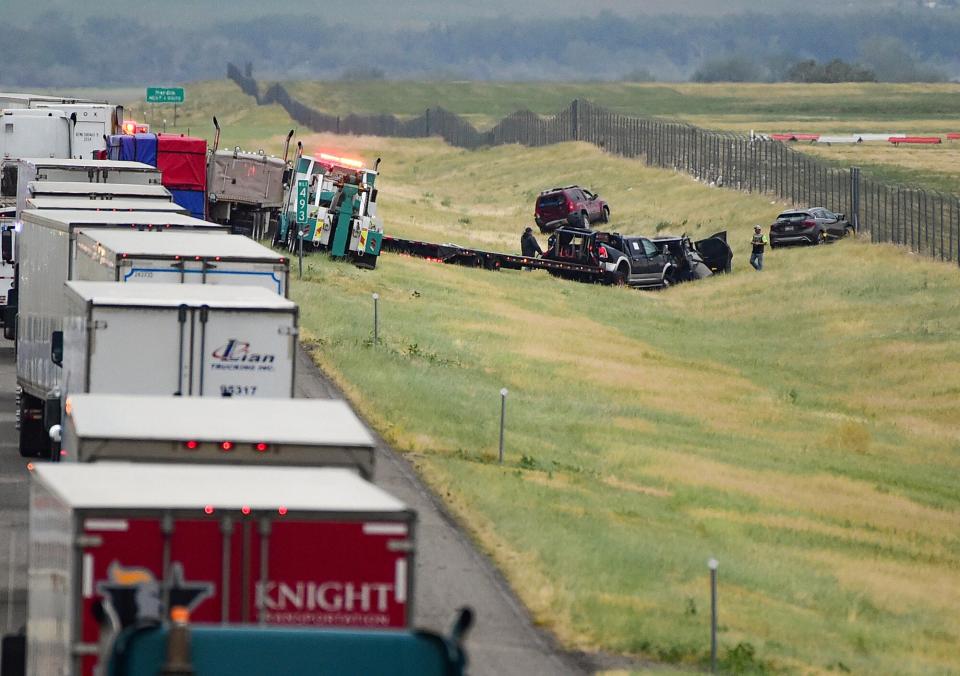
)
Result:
{"points": [[713, 564], [503, 418], [376, 319]]}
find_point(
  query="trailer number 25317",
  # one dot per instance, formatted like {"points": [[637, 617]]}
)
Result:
{"points": [[238, 390]]}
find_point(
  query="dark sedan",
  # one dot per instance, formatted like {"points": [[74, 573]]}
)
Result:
{"points": [[809, 226]]}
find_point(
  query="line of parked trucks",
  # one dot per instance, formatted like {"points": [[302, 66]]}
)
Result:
{"points": [[187, 515]]}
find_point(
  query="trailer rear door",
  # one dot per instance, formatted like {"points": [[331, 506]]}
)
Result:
{"points": [[244, 354]]}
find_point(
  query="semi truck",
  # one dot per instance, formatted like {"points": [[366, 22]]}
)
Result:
{"points": [[93, 119], [246, 189], [341, 209], [18, 174], [178, 257], [67, 196], [117, 545], [141, 428], [91, 123], [46, 251]]}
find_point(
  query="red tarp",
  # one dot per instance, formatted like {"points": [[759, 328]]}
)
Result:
{"points": [[182, 161], [897, 140]]}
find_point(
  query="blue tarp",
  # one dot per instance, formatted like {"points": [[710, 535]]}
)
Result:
{"points": [[133, 148], [145, 149], [194, 200]]}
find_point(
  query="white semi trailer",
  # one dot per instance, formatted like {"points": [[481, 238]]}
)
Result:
{"points": [[178, 257], [46, 247], [222, 431], [68, 196], [176, 340]]}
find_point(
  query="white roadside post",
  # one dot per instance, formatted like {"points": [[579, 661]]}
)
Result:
{"points": [[376, 319], [713, 564], [503, 418]]}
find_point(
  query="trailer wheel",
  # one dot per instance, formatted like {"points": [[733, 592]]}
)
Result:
{"points": [[584, 219], [605, 215]]}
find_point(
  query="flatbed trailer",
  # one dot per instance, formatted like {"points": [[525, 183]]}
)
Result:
{"points": [[489, 260]]}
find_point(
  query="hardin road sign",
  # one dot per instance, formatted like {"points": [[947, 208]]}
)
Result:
{"points": [[164, 94]]}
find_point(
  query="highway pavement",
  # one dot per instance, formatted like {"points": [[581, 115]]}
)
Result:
{"points": [[451, 572]]}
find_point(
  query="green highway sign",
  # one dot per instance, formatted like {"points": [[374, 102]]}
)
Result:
{"points": [[164, 94], [302, 196]]}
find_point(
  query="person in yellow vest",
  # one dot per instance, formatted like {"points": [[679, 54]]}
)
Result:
{"points": [[758, 243]]}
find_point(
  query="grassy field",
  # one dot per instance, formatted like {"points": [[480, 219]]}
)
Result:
{"points": [[800, 425]]}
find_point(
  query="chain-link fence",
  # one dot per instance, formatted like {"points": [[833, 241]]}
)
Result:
{"points": [[925, 220]]}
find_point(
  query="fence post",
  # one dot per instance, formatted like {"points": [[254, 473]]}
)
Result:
{"points": [[575, 119], [855, 197]]}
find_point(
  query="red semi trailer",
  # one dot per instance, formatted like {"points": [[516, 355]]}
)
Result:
{"points": [[116, 544]]}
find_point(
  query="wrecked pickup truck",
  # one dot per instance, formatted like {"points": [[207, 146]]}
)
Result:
{"points": [[638, 261]]}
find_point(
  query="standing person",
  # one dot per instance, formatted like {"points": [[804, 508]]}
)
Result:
{"points": [[758, 242], [529, 246]]}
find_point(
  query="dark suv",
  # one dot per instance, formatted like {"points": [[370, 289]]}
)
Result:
{"points": [[572, 205], [809, 226]]}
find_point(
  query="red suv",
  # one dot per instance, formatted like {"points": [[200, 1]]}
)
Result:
{"points": [[569, 206]]}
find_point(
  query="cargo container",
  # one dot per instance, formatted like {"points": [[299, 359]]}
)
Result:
{"points": [[177, 339], [178, 257], [17, 174], [46, 247], [305, 432], [70, 191], [114, 544], [34, 133], [67, 196], [92, 123]]}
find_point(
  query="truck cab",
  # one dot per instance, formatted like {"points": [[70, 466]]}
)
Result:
{"points": [[341, 211]]}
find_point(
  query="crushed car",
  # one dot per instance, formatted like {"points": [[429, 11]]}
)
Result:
{"points": [[634, 260]]}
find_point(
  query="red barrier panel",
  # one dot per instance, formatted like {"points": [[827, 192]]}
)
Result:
{"points": [[953, 136], [897, 140]]}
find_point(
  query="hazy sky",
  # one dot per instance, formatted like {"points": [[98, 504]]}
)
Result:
{"points": [[408, 12]]}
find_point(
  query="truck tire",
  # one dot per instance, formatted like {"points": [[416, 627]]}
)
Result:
{"points": [[605, 215], [620, 276], [584, 220]]}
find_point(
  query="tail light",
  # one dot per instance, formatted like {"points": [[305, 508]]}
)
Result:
{"points": [[809, 224], [226, 446], [602, 251], [569, 205]]}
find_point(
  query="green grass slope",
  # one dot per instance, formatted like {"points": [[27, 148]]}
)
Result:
{"points": [[798, 424], [801, 425]]}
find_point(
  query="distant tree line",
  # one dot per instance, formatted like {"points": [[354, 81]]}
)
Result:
{"points": [[894, 45]]}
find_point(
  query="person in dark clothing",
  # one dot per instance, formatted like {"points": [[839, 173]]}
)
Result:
{"points": [[758, 242], [529, 246]]}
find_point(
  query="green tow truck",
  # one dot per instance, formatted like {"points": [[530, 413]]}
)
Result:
{"points": [[331, 205]]}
